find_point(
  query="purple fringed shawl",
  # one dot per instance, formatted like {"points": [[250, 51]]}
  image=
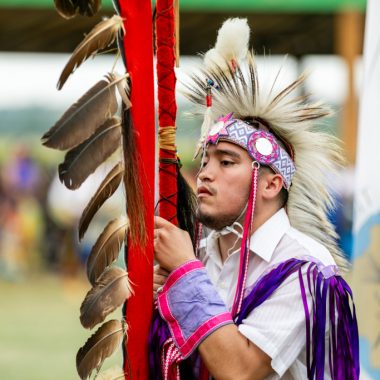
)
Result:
{"points": [[326, 287]]}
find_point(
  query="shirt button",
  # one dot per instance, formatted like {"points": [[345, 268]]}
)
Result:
{"points": [[223, 285]]}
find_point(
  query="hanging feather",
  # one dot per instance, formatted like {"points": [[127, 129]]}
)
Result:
{"points": [[85, 116], [208, 121], [134, 194], [106, 249], [88, 7], [100, 37], [66, 8], [109, 292], [70, 8], [105, 190], [98, 347], [83, 160]]}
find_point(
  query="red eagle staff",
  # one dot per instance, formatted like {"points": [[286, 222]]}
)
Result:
{"points": [[138, 55], [91, 130]]}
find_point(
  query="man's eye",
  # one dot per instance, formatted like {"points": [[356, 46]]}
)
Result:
{"points": [[226, 163]]}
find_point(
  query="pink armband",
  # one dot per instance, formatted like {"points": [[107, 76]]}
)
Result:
{"points": [[191, 306]]}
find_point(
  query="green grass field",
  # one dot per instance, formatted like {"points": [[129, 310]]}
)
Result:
{"points": [[40, 331]]}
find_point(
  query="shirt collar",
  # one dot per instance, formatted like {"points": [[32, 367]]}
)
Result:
{"points": [[266, 238], [212, 249], [263, 241]]}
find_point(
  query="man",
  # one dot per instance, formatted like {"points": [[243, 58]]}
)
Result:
{"points": [[258, 299]]}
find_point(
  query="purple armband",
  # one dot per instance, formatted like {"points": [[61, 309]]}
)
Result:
{"points": [[191, 306]]}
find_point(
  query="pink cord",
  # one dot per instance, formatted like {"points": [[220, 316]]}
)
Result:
{"points": [[169, 360], [244, 250], [198, 236]]}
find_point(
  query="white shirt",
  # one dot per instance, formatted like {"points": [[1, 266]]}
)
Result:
{"points": [[277, 326]]}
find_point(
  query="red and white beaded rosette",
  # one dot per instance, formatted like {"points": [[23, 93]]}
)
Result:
{"points": [[263, 148]]}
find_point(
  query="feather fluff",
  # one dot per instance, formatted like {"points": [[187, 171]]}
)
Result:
{"points": [[109, 292], [85, 116], [231, 44], [83, 160], [106, 249], [105, 190], [98, 347], [100, 37], [123, 89]]}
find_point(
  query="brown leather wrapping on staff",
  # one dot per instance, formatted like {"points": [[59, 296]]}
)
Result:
{"points": [[166, 138]]}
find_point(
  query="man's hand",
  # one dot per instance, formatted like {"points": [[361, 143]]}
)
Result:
{"points": [[172, 246], [159, 278]]}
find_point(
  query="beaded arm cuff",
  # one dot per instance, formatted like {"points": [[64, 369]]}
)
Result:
{"points": [[191, 306]]}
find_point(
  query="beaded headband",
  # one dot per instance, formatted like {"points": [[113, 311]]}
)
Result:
{"points": [[261, 145]]}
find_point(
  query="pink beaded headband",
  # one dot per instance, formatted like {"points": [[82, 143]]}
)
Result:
{"points": [[261, 145]]}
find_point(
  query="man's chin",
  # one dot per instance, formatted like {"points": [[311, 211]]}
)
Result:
{"points": [[215, 222]]}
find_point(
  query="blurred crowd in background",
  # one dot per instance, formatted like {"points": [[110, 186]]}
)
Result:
{"points": [[33, 238], [30, 240]]}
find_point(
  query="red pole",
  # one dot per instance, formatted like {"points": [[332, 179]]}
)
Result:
{"points": [[138, 47], [167, 109]]}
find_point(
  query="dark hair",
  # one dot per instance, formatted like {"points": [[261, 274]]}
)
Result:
{"points": [[283, 196]]}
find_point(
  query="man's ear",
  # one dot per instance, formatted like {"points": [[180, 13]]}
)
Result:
{"points": [[273, 184]]}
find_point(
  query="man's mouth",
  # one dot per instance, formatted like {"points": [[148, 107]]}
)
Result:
{"points": [[203, 191]]}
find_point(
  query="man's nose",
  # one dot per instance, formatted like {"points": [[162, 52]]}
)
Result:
{"points": [[207, 173]]}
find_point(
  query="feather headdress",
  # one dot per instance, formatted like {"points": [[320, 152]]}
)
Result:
{"points": [[292, 118]]}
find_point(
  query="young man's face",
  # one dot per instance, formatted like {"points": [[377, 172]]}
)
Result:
{"points": [[223, 185]]}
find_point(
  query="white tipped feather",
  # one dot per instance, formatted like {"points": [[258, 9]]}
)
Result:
{"points": [[205, 129], [231, 45]]}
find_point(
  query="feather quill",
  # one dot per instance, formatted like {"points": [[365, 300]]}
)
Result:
{"points": [[83, 160], [106, 249], [105, 190], [98, 347], [113, 373], [110, 291], [100, 37], [85, 116]]}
